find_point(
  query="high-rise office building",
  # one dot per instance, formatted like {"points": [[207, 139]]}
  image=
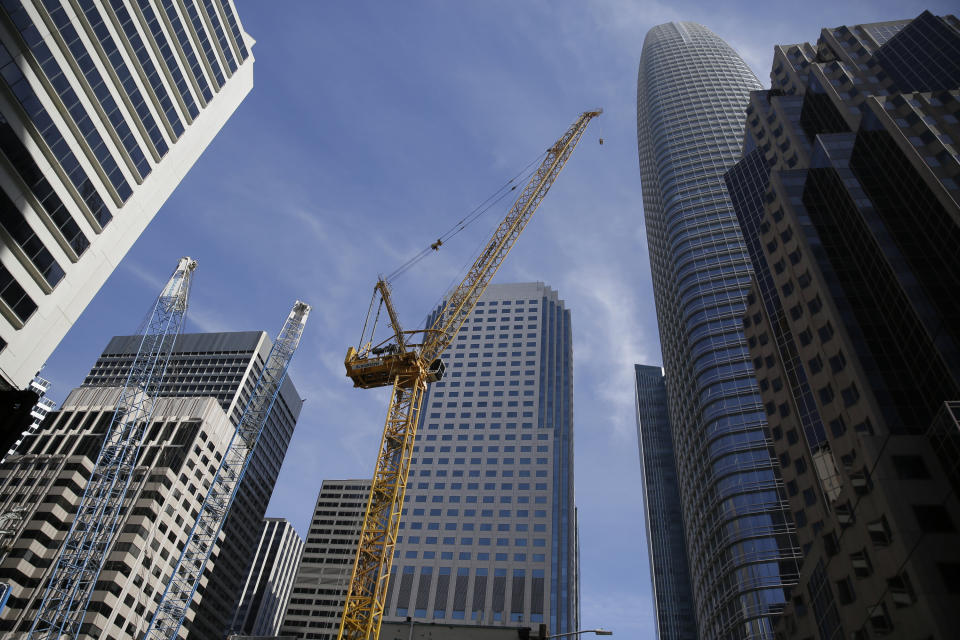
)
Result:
{"points": [[104, 107], [43, 484], [489, 525], [224, 366], [320, 588], [848, 197], [269, 581], [669, 571], [691, 92]]}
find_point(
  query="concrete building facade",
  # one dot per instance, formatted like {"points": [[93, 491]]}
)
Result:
{"points": [[45, 483], [848, 195], [224, 366], [104, 107], [269, 582], [320, 587], [692, 89], [489, 523], [666, 545]]}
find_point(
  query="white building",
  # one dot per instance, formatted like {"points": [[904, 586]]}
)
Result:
{"points": [[104, 107], [269, 581], [184, 440]]}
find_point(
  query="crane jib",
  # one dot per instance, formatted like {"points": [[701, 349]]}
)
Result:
{"points": [[366, 596]]}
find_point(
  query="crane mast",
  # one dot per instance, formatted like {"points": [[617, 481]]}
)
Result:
{"points": [[85, 548], [409, 367], [183, 583]]}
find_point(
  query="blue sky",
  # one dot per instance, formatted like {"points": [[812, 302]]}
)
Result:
{"points": [[373, 127]]}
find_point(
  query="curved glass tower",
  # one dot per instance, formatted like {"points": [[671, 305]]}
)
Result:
{"points": [[692, 91]]}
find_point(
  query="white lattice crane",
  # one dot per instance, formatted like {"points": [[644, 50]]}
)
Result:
{"points": [[196, 552], [91, 534]]}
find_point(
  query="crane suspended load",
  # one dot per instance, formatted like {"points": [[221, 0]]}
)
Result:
{"points": [[91, 534], [409, 366], [183, 583]]}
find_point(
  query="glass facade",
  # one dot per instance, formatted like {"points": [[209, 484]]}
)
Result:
{"points": [[691, 93], [269, 581], [669, 570], [489, 526]]}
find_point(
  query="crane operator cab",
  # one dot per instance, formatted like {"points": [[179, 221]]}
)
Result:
{"points": [[385, 364]]}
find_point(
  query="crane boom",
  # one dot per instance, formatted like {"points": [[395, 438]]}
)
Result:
{"points": [[463, 298], [409, 371], [183, 583], [85, 548]]}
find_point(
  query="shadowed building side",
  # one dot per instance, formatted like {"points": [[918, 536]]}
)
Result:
{"points": [[669, 570]]}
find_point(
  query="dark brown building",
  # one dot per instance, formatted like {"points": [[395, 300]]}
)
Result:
{"points": [[849, 201]]}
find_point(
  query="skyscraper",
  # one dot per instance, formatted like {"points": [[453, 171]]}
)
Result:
{"points": [[849, 201], [669, 570], [692, 89], [105, 106], [224, 366], [42, 485], [269, 580], [320, 587], [489, 528]]}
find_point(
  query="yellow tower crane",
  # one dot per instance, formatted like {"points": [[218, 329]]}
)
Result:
{"points": [[409, 366]]}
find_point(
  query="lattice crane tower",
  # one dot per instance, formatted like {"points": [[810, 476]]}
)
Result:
{"points": [[183, 583], [85, 548]]}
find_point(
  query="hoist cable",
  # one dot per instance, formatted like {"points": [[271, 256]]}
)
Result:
{"points": [[492, 200]]}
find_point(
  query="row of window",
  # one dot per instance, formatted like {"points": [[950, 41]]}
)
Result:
{"points": [[480, 436], [467, 555], [472, 526], [484, 513], [467, 542], [456, 499], [505, 303], [479, 449], [462, 461]]}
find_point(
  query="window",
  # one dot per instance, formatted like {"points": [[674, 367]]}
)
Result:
{"points": [[879, 531], [826, 394], [933, 518], [950, 574], [825, 332], [910, 467], [838, 362], [901, 590], [860, 561], [845, 592], [850, 395]]}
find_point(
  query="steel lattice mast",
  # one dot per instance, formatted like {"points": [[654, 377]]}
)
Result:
{"points": [[189, 569], [408, 371], [85, 548]]}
